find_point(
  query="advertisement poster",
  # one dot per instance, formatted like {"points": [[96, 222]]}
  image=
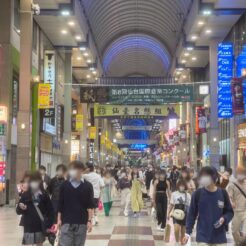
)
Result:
{"points": [[237, 96], [79, 122], [201, 120], [43, 96]]}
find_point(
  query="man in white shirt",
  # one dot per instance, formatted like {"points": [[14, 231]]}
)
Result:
{"points": [[97, 183]]}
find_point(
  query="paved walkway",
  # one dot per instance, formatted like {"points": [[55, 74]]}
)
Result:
{"points": [[115, 230]]}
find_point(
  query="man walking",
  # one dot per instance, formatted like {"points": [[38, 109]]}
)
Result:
{"points": [[75, 207], [212, 209], [237, 194]]}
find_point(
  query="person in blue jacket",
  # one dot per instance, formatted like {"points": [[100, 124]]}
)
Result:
{"points": [[212, 209]]}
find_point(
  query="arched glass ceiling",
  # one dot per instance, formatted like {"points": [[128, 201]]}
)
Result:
{"points": [[136, 53], [160, 19]]}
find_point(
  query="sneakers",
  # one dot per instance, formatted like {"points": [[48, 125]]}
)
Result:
{"points": [[96, 220], [93, 221], [126, 213]]}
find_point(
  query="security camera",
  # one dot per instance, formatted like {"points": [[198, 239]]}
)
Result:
{"points": [[36, 9]]}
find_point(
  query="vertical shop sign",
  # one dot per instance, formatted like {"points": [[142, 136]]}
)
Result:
{"points": [[237, 96], [15, 98], [92, 132], [50, 73], [79, 122], [225, 73], [182, 133], [201, 120], [91, 151]]}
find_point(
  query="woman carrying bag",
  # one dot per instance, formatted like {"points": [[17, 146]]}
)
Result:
{"points": [[179, 203], [36, 208]]}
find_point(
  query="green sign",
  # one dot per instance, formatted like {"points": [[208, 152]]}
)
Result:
{"points": [[151, 95], [2, 129], [138, 95]]}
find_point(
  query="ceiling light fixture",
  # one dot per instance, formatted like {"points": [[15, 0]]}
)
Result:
{"points": [[82, 48], [88, 76], [186, 54], [89, 61], [193, 58], [79, 58], [86, 54], [201, 23], [65, 13], [190, 48], [207, 12], [71, 23], [208, 31], [94, 72], [78, 37], [183, 61], [64, 32], [193, 37]]}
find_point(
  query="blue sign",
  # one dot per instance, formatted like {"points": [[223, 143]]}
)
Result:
{"points": [[241, 64], [138, 146], [225, 73]]}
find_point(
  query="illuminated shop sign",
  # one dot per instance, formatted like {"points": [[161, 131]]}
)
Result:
{"points": [[3, 114], [138, 146], [225, 73]]}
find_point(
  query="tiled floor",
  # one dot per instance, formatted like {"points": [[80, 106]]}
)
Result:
{"points": [[115, 230]]}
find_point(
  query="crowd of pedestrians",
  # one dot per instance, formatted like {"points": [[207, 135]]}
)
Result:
{"points": [[66, 206]]}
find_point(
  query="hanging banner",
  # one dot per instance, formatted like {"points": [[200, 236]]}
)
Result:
{"points": [[43, 96], [225, 73], [138, 95], [79, 122], [201, 120], [108, 110], [103, 139], [50, 74], [237, 96], [92, 132]]}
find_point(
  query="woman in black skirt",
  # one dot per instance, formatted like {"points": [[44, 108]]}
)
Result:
{"points": [[33, 202]]}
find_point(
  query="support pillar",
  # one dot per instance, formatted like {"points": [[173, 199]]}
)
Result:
{"points": [[213, 134], [23, 118], [67, 108]]}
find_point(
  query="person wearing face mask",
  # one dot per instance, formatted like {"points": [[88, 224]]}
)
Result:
{"points": [[37, 212], [45, 176], [124, 185], [55, 185], [151, 191], [212, 209], [149, 175], [136, 193], [161, 194], [75, 207], [180, 200], [237, 194]]}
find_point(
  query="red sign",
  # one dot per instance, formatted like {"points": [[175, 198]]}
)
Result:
{"points": [[201, 120]]}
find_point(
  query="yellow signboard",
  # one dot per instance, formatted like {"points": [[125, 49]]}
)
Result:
{"points": [[103, 139], [79, 122], [108, 110], [3, 114], [92, 132], [43, 96]]}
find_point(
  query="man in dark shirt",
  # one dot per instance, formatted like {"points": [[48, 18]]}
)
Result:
{"points": [[212, 209], [149, 175], [55, 185], [75, 207]]}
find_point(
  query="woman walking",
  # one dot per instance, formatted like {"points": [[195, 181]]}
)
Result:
{"points": [[136, 194], [36, 208], [107, 192], [161, 193], [180, 201]]}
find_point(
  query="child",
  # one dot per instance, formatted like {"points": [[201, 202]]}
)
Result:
{"points": [[36, 209]]}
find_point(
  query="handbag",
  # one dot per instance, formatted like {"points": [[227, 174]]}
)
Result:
{"points": [[178, 212]]}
